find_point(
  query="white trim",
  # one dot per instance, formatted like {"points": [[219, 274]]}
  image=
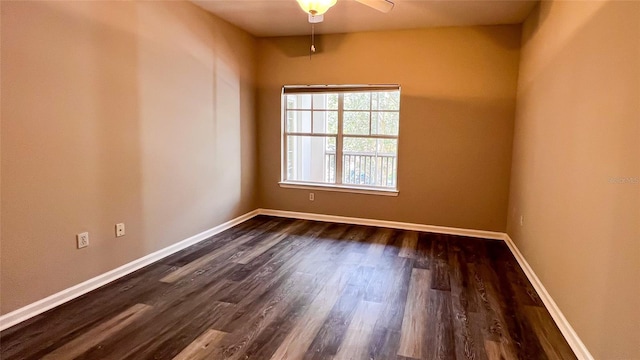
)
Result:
{"points": [[384, 223], [75, 291], [578, 347], [338, 184], [569, 334], [310, 89], [338, 188]]}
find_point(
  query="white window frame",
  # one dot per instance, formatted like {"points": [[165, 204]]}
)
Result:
{"points": [[338, 185]]}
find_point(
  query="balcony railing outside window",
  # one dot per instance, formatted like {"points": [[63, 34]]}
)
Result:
{"points": [[363, 169], [344, 136]]}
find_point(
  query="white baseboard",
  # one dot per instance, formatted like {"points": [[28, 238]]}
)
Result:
{"points": [[385, 223], [75, 291], [569, 334]]}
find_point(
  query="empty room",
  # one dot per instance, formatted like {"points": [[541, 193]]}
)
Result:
{"points": [[320, 179]]}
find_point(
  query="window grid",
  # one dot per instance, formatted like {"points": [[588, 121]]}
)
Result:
{"points": [[340, 166]]}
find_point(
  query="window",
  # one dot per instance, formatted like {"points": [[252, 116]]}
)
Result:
{"points": [[341, 137]]}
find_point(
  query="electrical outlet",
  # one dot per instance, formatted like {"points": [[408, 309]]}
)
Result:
{"points": [[119, 229], [521, 220], [312, 196], [83, 240]]}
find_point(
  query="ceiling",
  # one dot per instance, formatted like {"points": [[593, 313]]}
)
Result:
{"points": [[265, 18]]}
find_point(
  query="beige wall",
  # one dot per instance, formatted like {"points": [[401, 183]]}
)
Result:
{"points": [[577, 127], [456, 119], [141, 113]]}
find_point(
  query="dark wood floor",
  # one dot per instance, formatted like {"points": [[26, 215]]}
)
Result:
{"points": [[274, 288]]}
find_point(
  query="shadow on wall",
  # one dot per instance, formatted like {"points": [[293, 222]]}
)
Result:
{"points": [[455, 156], [139, 113], [453, 166], [299, 46], [192, 127], [577, 129], [456, 120], [71, 137]]}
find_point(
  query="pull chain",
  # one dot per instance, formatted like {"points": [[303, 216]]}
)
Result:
{"points": [[313, 41], [313, 47]]}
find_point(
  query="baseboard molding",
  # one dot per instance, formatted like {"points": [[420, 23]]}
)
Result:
{"points": [[40, 306], [569, 334], [385, 223], [59, 298]]}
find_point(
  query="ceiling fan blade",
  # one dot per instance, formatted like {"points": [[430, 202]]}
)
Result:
{"points": [[381, 5]]}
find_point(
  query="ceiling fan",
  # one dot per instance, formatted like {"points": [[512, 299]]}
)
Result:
{"points": [[317, 8]]}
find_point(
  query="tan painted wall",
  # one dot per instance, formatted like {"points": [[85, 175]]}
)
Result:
{"points": [[577, 128], [141, 113], [456, 122]]}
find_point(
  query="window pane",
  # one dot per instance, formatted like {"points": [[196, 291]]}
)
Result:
{"points": [[388, 147], [331, 144], [311, 158], [325, 101], [357, 101], [356, 123], [370, 162], [363, 115], [359, 145], [385, 100], [385, 123], [325, 122], [302, 101], [299, 121]]}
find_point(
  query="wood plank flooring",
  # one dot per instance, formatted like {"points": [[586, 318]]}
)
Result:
{"points": [[276, 288]]}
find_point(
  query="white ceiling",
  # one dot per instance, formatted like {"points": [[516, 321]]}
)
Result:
{"points": [[284, 17]]}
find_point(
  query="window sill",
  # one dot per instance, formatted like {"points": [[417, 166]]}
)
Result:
{"points": [[339, 188]]}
